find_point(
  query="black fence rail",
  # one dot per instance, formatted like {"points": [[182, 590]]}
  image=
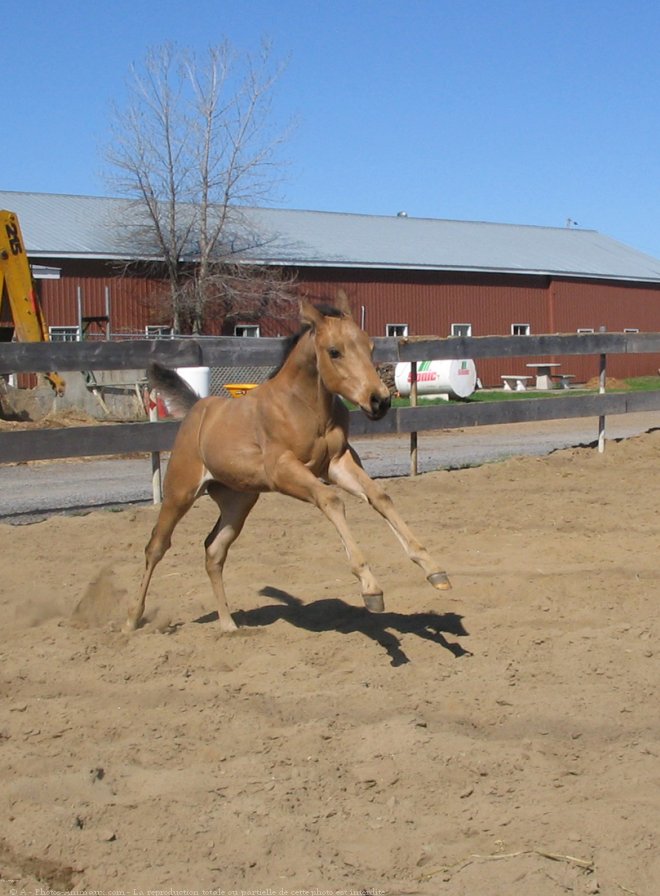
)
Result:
{"points": [[229, 351]]}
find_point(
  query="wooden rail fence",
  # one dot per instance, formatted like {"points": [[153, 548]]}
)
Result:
{"points": [[238, 351]]}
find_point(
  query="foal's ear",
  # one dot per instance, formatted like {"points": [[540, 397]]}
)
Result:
{"points": [[343, 304], [309, 314]]}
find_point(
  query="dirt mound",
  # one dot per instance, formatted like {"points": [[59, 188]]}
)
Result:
{"points": [[611, 384]]}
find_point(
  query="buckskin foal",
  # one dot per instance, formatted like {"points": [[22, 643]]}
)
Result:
{"points": [[289, 435]]}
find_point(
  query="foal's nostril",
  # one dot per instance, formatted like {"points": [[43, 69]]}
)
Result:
{"points": [[379, 404]]}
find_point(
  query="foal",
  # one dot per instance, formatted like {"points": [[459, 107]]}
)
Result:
{"points": [[289, 435]]}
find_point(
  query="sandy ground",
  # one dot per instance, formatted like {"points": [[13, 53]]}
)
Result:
{"points": [[495, 740]]}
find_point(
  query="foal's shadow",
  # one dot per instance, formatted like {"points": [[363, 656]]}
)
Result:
{"points": [[336, 615]]}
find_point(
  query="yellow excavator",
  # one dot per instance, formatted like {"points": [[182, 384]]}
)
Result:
{"points": [[17, 285]]}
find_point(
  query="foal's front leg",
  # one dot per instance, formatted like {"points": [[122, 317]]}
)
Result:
{"points": [[291, 477], [347, 472]]}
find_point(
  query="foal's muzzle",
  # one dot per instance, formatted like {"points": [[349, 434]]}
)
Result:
{"points": [[379, 405]]}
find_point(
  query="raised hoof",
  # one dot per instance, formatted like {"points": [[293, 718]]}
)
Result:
{"points": [[374, 602], [440, 581]]}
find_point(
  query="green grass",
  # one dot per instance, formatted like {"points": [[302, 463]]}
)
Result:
{"points": [[490, 395], [632, 384], [642, 383]]}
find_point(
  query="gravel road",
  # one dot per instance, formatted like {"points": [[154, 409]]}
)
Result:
{"points": [[32, 492]]}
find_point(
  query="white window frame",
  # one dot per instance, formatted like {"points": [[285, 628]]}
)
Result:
{"points": [[158, 331], [631, 330], [64, 333], [585, 331], [461, 330], [522, 329], [396, 331], [248, 331]]}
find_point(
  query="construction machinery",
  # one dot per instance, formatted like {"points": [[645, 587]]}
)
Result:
{"points": [[17, 285]]}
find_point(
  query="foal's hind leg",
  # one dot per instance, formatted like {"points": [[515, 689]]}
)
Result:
{"points": [[346, 472], [183, 484], [234, 509], [172, 510]]}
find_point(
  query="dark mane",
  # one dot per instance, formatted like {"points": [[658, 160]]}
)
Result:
{"points": [[328, 310], [292, 341], [289, 344]]}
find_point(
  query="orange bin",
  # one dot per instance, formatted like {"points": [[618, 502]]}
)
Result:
{"points": [[238, 389]]}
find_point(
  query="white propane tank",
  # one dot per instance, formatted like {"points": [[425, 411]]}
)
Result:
{"points": [[457, 379], [198, 378]]}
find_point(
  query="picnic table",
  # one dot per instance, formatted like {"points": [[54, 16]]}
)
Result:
{"points": [[544, 373]]}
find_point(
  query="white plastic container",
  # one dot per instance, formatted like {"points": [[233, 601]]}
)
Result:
{"points": [[198, 378], [457, 379]]}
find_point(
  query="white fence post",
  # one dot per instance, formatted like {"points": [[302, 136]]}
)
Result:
{"points": [[156, 477]]}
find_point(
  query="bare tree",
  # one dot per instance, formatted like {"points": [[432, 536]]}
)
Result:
{"points": [[194, 146], [233, 292]]}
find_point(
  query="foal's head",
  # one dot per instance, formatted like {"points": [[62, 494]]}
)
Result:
{"points": [[343, 357]]}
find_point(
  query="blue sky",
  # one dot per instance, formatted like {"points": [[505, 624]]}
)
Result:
{"points": [[519, 111]]}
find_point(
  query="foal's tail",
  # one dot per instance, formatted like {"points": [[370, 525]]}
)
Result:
{"points": [[179, 395]]}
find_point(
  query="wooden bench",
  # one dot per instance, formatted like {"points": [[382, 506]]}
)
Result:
{"points": [[515, 383]]}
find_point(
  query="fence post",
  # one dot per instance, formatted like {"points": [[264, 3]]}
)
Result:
{"points": [[602, 382], [156, 478], [413, 404]]}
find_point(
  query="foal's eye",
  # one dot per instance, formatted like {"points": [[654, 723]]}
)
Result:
{"points": [[334, 353]]}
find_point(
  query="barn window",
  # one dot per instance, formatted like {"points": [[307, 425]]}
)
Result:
{"points": [[396, 330], [520, 329], [64, 334], [461, 330], [585, 330], [631, 330], [158, 331], [247, 330]]}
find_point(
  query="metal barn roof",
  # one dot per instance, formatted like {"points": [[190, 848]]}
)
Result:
{"points": [[62, 226]]}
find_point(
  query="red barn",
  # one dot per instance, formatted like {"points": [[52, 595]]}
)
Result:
{"points": [[403, 275]]}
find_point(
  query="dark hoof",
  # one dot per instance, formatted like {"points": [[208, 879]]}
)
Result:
{"points": [[374, 602], [440, 581]]}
